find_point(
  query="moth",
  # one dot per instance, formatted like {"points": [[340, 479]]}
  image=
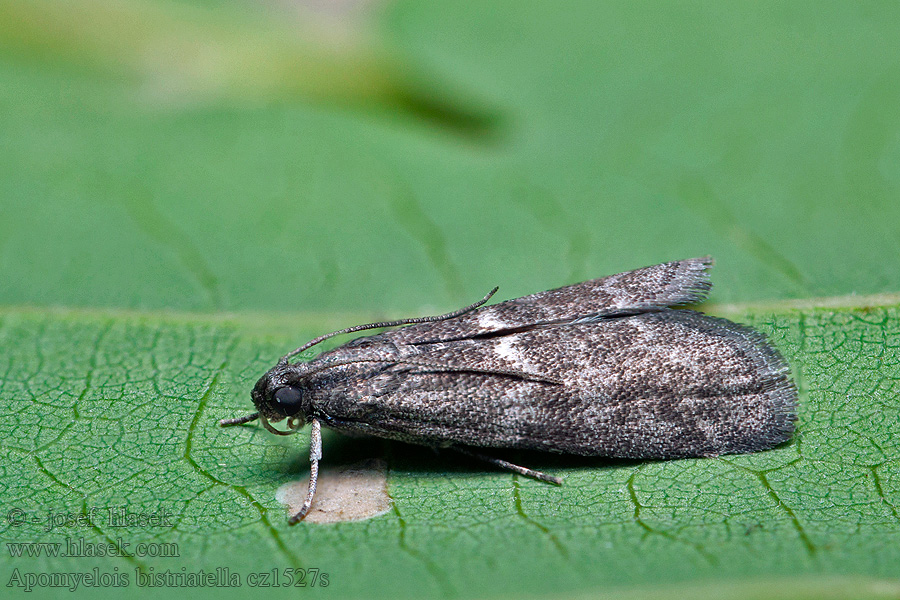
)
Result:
{"points": [[607, 367]]}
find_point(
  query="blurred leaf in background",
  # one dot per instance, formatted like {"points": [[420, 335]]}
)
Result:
{"points": [[190, 188]]}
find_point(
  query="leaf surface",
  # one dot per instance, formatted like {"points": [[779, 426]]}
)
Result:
{"points": [[202, 186]]}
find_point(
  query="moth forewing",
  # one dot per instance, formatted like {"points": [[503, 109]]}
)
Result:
{"points": [[658, 286], [663, 384], [600, 368]]}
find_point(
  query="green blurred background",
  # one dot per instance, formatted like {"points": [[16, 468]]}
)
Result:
{"points": [[190, 187], [316, 156]]}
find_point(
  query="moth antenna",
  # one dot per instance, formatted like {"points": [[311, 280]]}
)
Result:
{"points": [[284, 359], [315, 454], [238, 420], [449, 368], [508, 466]]}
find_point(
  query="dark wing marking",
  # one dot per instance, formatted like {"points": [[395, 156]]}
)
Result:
{"points": [[663, 384], [658, 286]]}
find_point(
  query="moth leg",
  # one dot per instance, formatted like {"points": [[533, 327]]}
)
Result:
{"points": [[508, 466], [315, 454]]}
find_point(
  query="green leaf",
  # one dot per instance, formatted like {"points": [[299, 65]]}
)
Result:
{"points": [[612, 137], [204, 185], [110, 410]]}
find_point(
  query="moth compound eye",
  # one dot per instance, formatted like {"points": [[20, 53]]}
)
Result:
{"points": [[288, 400]]}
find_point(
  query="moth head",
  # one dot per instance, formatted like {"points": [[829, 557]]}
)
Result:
{"points": [[279, 395]]}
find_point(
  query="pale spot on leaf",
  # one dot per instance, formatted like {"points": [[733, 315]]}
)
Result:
{"points": [[348, 493]]}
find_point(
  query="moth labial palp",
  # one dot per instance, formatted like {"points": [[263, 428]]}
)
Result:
{"points": [[607, 367]]}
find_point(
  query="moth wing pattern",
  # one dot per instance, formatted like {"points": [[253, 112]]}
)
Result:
{"points": [[661, 384], [658, 286], [606, 367]]}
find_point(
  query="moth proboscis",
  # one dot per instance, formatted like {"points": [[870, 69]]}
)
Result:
{"points": [[607, 367]]}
